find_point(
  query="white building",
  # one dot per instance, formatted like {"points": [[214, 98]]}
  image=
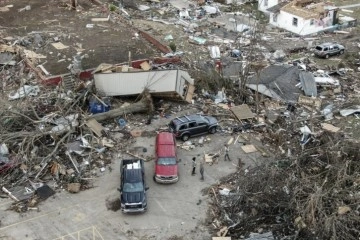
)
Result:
{"points": [[302, 17]]}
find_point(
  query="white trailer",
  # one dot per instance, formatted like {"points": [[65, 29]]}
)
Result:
{"points": [[172, 83]]}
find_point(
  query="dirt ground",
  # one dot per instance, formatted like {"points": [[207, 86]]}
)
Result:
{"points": [[108, 42], [174, 210]]}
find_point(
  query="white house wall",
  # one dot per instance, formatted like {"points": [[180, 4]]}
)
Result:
{"points": [[265, 4], [285, 21], [132, 83]]}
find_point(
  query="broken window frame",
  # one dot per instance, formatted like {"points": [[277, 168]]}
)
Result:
{"points": [[295, 21]]}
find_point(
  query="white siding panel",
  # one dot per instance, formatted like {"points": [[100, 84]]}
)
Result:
{"points": [[131, 83], [263, 5]]}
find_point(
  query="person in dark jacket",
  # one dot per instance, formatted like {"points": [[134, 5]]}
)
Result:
{"points": [[202, 171], [193, 166]]}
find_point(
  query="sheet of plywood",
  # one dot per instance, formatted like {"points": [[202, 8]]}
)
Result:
{"points": [[209, 158], [4, 9], [242, 112], [311, 101], [59, 45], [249, 148], [31, 54], [7, 48], [329, 127], [95, 126], [145, 66]]}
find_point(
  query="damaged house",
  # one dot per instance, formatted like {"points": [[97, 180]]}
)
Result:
{"points": [[277, 82], [304, 17]]}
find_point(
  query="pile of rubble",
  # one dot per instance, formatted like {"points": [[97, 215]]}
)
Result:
{"points": [[50, 138], [313, 194]]}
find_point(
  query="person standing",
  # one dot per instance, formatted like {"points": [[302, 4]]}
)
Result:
{"points": [[193, 166], [202, 171], [226, 153]]}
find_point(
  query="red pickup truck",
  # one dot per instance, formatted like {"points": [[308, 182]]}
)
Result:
{"points": [[166, 164]]}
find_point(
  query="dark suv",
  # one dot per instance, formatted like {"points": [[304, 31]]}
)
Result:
{"points": [[328, 49], [193, 125], [132, 187]]}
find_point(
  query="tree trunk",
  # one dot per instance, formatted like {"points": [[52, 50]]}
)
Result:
{"points": [[144, 105], [73, 4]]}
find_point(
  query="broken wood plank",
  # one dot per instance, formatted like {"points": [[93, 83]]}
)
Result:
{"points": [[95, 126], [136, 156], [10, 194], [44, 70], [242, 112], [101, 19], [73, 161], [145, 66], [249, 148], [329, 127], [262, 151], [310, 101], [59, 45]]}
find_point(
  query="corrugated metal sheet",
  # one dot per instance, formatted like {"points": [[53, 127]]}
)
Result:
{"points": [[132, 83], [308, 84]]}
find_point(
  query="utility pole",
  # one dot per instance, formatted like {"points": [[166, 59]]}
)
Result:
{"points": [[257, 66]]}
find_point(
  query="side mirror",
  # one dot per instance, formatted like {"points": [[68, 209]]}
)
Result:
{"points": [[146, 188]]}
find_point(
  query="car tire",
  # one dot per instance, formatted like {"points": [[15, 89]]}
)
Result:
{"points": [[212, 130], [327, 56], [341, 52], [154, 178], [185, 137]]}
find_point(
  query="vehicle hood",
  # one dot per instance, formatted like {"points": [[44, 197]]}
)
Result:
{"points": [[132, 197], [212, 120], [167, 170]]}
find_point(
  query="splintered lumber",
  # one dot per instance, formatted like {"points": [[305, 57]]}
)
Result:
{"points": [[249, 148], [144, 105], [10, 194], [95, 127], [136, 156]]}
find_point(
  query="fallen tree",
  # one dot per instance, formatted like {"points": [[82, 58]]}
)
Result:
{"points": [[144, 105]]}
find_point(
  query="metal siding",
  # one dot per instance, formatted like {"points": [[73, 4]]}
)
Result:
{"points": [[131, 83]]}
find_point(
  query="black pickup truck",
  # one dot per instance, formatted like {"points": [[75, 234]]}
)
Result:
{"points": [[132, 187]]}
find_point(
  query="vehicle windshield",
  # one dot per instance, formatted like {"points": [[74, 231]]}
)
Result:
{"points": [[206, 119], [318, 48], [166, 161], [133, 187]]}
